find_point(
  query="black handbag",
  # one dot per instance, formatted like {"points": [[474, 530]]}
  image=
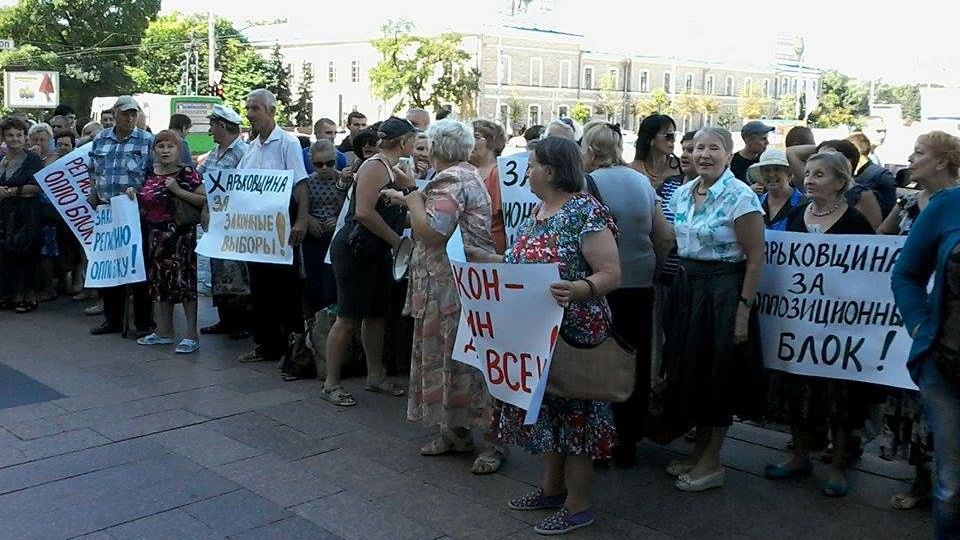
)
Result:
{"points": [[362, 243], [184, 213]]}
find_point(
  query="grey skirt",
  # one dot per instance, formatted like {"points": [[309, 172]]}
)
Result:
{"points": [[707, 378]]}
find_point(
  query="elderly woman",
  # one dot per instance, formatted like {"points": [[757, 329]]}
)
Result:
{"points": [[645, 241], [934, 165], [20, 240], [40, 138], [654, 157], [570, 228], [327, 194], [171, 260], [712, 364], [445, 392], [566, 128], [422, 169], [491, 140], [778, 198], [933, 319], [362, 261], [90, 130], [812, 404]]}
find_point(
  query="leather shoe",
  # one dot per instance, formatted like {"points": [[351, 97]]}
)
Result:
{"points": [[218, 328], [105, 328], [710, 481]]}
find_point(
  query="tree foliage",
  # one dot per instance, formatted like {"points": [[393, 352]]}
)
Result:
{"points": [[609, 102], [425, 72], [580, 112], [88, 41], [278, 82], [302, 110], [156, 66], [907, 95], [658, 103], [843, 101], [752, 103]]}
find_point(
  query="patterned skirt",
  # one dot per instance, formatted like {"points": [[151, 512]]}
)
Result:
{"points": [[172, 262], [571, 427]]}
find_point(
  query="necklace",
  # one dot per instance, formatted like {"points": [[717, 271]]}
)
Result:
{"points": [[826, 213], [699, 186]]}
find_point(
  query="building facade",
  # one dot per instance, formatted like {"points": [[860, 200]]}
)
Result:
{"points": [[530, 76]]}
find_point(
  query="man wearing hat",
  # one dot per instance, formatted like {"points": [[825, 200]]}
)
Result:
{"points": [[231, 284], [755, 141], [120, 159]]}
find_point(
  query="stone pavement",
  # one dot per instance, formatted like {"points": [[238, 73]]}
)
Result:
{"points": [[102, 439]]}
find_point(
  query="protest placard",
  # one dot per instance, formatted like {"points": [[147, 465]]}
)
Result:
{"points": [[511, 323], [826, 308], [115, 256], [66, 183], [516, 198], [249, 215]]}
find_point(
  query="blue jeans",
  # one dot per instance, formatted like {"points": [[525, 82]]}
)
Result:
{"points": [[941, 402]]}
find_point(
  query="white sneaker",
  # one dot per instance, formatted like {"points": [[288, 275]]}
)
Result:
{"points": [[187, 346], [154, 339]]}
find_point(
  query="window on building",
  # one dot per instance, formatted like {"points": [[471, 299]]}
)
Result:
{"points": [[667, 86], [644, 81], [783, 86], [563, 111], [533, 118], [588, 78], [614, 77], [708, 85], [536, 72], [766, 88], [688, 82], [794, 87], [505, 117], [728, 86], [355, 71], [748, 84], [503, 69], [331, 72], [566, 75]]}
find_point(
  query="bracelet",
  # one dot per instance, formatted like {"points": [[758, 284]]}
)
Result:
{"points": [[593, 290], [408, 190]]}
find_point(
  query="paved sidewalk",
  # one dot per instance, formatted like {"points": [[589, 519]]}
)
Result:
{"points": [[102, 439]]}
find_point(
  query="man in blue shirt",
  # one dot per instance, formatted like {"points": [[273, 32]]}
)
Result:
{"points": [[120, 160], [324, 128]]}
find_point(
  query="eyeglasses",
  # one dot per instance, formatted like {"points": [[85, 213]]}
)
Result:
{"points": [[669, 137], [324, 164]]}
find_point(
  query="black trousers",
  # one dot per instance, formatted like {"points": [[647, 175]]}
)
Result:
{"points": [[114, 301], [632, 311], [275, 297]]}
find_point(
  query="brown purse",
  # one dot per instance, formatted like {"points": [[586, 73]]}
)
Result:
{"points": [[604, 372]]}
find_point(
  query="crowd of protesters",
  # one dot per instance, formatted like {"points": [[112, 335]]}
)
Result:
{"points": [[664, 253]]}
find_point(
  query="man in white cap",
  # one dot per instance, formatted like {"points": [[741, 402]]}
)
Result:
{"points": [[755, 141], [275, 288], [120, 159], [231, 285]]}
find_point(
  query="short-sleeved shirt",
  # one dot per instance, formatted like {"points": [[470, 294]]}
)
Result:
{"points": [[707, 233], [559, 239], [740, 164], [325, 198], [156, 201], [220, 159], [778, 222], [116, 165], [281, 151], [492, 182]]}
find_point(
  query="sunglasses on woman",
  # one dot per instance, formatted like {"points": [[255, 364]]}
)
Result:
{"points": [[324, 164], [669, 137]]}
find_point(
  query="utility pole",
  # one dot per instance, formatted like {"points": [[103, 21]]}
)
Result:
{"points": [[799, 49], [211, 48]]}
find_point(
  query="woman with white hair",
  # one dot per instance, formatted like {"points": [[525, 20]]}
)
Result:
{"points": [[443, 391], [566, 128]]}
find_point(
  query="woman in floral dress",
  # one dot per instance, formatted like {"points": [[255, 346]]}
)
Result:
{"points": [[573, 229], [445, 392]]}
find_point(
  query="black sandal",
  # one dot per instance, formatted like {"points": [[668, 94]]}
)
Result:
{"points": [[25, 307]]}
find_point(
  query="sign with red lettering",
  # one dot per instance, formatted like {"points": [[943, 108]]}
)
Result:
{"points": [[66, 183], [827, 310], [507, 329]]}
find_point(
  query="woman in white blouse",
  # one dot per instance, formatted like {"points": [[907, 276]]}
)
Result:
{"points": [[712, 365]]}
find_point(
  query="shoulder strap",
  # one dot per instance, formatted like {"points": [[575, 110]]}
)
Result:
{"points": [[593, 190]]}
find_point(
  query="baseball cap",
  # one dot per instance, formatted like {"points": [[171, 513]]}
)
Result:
{"points": [[394, 127], [755, 127], [126, 103], [228, 115]]}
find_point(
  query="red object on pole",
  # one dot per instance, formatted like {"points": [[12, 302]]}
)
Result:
{"points": [[46, 87]]}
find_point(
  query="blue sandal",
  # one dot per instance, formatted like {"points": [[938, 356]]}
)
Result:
{"points": [[779, 472]]}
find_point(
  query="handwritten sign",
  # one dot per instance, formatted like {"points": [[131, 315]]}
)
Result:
{"points": [[66, 183], [516, 198], [826, 308], [249, 215], [115, 256], [511, 322]]}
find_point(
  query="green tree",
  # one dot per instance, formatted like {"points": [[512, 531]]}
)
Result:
{"points": [[726, 119], [87, 41], [687, 105], [303, 108], [843, 101], [518, 111], [752, 103], [156, 65], [658, 103], [708, 106], [580, 112], [609, 102], [425, 72], [278, 82], [786, 107], [907, 95]]}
